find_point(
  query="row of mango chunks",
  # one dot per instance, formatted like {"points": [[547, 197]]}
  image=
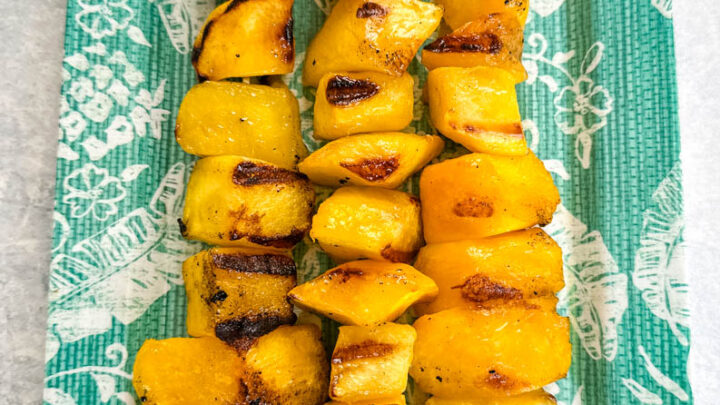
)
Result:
{"points": [[246, 197]]}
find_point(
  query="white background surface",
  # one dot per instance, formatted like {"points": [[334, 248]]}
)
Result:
{"points": [[32, 34]]}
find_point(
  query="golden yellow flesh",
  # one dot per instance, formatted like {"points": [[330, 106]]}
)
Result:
{"points": [[365, 292], [236, 293], [378, 160], [460, 12], [183, 371], [287, 366], [368, 223], [243, 38], [494, 40], [371, 363], [505, 269], [231, 118], [506, 350], [352, 103], [480, 195], [395, 400], [379, 36], [234, 201], [478, 108], [538, 397]]}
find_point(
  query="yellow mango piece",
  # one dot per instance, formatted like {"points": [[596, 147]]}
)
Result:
{"points": [[352, 103], [243, 38], [365, 292], [396, 400], [538, 397], [183, 371], [231, 118], [460, 12], [378, 35], [287, 366], [505, 269], [368, 223], [375, 160], [500, 351], [371, 363], [495, 40], [478, 108], [238, 293], [235, 201], [480, 195]]}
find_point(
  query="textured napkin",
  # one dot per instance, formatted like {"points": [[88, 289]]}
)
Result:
{"points": [[599, 108]]}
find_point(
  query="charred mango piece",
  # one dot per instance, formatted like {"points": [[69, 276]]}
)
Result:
{"points": [[505, 350], [396, 400], [243, 38], [371, 363], [351, 103], [478, 108], [505, 269], [232, 118], [377, 160], [378, 35], [184, 371], [480, 195], [460, 12], [495, 40], [235, 201], [365, 292], [287, 366], [236, 293], [538, 397], [368, 223]]}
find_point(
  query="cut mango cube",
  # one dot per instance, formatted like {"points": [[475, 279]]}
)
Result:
{"points": [[397, 400], [460, 12], [368, 223], [236, 293], [505, 269], [538, 397], [495, 40], [378, 36], [378, 160], [478, 108], [501, 351], [246, 38], [365, 292], [371, 363], [352, 103], [480, 195], [235, 201]]}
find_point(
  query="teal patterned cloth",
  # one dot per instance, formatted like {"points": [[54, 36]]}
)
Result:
{"points": [[599, 107]]}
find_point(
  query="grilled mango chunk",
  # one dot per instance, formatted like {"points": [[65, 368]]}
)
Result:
{"points": [[480, 195], [460, 12], [236, 293], [538, 397], [243, 38], [501, 351], [378, 35], [508, 268], [231, 118], [368, 223], [375, 160], [365, 292], [396, 400], [478, 108], [371, 363], [495, 40], [287, 366], [234, 201], [351, 103], [183, 371]]}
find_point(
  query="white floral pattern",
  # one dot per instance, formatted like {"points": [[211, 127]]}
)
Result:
{"points": [[101, 18], [91, 189]]}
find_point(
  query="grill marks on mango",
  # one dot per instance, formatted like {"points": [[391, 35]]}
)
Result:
{"points": [[397, 256], [343, 91], [287, 42], [476, 207], [239, 330], [373, 169], [480, 289], [367, 349], [371, 9], [345, 274], [278, 265], [250, 174], [485, 42]]}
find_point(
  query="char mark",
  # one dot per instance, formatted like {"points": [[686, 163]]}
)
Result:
{"points": [[251, 326], [250, 174], [363, 350], [278, 265], [344, 91], [485, 42], [371, 9], [375, 169]]}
